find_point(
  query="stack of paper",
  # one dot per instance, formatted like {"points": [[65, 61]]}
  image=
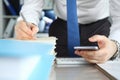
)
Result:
{"points": [[111, 69], [26, 60]]}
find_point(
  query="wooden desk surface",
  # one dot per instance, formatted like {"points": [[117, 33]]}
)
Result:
{"points": [[76, 72]]}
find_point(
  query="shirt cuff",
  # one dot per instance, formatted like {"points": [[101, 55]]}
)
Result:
{"points": [[116, 56]]}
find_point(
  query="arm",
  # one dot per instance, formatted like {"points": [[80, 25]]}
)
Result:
{"points": [[107, 48], [115, 16], [115, 19], [31, 10]]}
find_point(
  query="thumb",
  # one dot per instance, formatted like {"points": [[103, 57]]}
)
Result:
{"points": [[99, 39], [34, 29]]}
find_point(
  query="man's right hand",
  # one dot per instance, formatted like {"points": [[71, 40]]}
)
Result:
{"points": [[23, 32]]}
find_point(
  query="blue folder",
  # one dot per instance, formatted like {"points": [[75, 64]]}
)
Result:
{"points": [[20, 49], [10, 7]]}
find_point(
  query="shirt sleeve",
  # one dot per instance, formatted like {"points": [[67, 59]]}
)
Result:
{"points": [[32, 10], [115, 17]]}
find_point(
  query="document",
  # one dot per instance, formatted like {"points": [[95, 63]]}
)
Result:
{"points": [[111, 69]]}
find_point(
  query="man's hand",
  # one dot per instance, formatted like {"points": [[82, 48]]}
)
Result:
{"points": [[23, 32], [107, 49]]}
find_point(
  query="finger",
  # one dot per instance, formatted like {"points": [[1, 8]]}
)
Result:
{"points": [[96, 38], [92, 61], [96, 55], [99, 39], [34, 29], [22, 35], [26, 38], [95, 61], [25, 28], [77, 52], [92, 57], [82, 53]]}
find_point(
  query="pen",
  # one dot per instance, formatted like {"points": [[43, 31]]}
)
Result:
{"points": [[25, 20]]}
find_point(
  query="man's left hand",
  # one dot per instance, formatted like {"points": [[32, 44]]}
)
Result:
{"points": [[107, 49]]}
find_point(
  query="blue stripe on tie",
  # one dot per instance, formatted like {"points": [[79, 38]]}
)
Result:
{"points": [[72, 26]]}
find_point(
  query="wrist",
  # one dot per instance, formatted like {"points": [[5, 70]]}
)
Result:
{"points": [[117, 53]]}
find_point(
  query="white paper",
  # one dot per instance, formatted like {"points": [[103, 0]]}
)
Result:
{"points": [[112, 67]]}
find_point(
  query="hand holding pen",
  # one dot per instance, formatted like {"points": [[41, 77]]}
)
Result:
{"points": [[24, 19], [25, 30]]}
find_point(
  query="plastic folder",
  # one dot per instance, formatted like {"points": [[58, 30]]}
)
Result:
{"points": [[26, 49], [10, 7]]}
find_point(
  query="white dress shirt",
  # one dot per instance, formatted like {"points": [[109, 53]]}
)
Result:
{"points": [[88, 11]]}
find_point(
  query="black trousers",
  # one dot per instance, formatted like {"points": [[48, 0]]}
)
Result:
{"points": [[58, 29]]}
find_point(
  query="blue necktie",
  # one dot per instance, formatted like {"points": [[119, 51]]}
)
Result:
{"points": [[72, 27]]}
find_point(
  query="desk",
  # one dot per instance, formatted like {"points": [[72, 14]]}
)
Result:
{"points": [[76, 72]]}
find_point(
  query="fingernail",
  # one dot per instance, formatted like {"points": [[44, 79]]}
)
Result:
{"points": [[76, 52]]}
